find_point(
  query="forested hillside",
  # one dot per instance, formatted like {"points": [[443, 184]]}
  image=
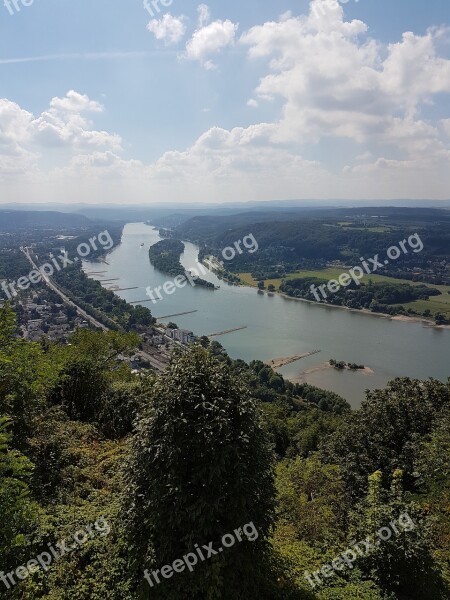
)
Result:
{"points": [[11, 220], [289, 241], [143, 471]]}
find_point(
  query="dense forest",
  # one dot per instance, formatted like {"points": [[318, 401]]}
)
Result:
{"points": [[165, 256], [107, 478]]}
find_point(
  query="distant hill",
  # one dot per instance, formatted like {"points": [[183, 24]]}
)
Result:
{"points": [[210, 228], [11, 220]]}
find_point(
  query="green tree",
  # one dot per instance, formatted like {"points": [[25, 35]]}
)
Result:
{"points": [[119, 406], [25, 373], [440, 319], [311, 499], [16, 509], [384, 434], [86, 373], [400, 560], [432, 466], [200, 468]]}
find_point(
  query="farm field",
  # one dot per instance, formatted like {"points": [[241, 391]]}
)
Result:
{"points": [[437, 304], [326, 274]]}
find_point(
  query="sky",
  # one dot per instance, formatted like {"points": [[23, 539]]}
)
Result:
{"points": [[125, 101]]}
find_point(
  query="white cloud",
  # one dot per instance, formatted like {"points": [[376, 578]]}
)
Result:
{"points": [[209, 40], [104, 165], [15, 157], [63, 125], [333, 83], [204, 15], [169, 29], [73, 102], [24, 138]]}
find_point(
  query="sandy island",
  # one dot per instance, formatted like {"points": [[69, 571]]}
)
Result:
{"points": [[367, 371]]}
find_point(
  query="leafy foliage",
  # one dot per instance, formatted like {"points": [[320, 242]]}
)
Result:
{"points": [[200, 467], [183, 458], [385, 433], [15, 506]]}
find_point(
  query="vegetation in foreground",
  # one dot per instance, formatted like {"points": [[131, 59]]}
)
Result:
{"points": [[183, 458]]}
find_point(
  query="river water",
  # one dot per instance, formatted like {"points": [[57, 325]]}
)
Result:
{"points": [[279, 327]]}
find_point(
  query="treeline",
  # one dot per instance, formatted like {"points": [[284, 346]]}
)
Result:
{"points": [[377, 297], [12, 220], [165, 256], [341, 364], [103, 305], [13, 265]]}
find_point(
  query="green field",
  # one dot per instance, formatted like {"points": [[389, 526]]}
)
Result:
{"points": [[326, 274], [436, 304]]}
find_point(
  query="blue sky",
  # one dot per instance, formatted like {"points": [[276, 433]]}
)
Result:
{"points": [[217, 102]]}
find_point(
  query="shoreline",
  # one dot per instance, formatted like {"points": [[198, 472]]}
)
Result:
{"points": [[429, 323]]}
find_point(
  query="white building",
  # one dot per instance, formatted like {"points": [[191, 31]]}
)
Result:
{"points": [[181, 335]]}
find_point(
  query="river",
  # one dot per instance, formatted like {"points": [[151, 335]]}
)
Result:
{"points": [[279, 327]]}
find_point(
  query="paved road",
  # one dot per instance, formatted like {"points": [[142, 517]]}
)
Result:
{"points": [[155, 363], [63, 296]]}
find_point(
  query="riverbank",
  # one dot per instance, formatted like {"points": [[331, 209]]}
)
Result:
{"points": [[365, 311], [430, 323]]}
